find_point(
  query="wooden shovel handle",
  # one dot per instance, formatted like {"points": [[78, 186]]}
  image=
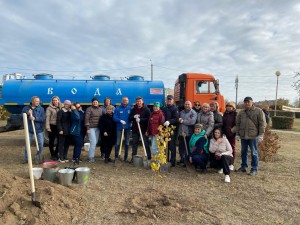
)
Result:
{"points": [[145, 152]]}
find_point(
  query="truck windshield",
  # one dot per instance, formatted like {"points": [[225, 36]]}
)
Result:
{"points": [[205, 87]]}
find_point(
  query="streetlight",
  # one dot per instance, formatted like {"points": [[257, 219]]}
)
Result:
{"points": [[277, 73]]}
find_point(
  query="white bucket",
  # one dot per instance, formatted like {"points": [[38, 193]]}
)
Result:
{"points": [[65, 176], [82, 174], [86, 147], [37, 173]]}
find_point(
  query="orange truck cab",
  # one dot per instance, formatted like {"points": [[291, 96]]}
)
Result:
{"points": [[198, 87]]}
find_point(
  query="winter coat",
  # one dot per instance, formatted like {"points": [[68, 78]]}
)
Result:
{"points": [[218, 120], [51, 115], [207, 120], [77, 125], [156, 119], [229, 119], [189, 120], [224, 148], [122, 113], [267, 116], [144, 113], [171, 114], [248, 128], [39, 114], [63, 121], [92, 116], [108, 125]]}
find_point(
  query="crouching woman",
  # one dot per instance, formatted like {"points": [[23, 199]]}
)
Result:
{"points": [[220, 146], [198, 148]]}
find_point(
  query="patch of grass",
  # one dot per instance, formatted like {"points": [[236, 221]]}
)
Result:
{"points": [[296, 126]]}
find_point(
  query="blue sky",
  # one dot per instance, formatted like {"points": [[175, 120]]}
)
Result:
{"points": [[251, 39]]}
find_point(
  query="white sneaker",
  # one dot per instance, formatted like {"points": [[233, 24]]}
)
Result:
{"points": [[231, 167], [227, 179], [220, 171]]}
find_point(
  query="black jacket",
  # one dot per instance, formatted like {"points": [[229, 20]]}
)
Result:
{"points": [[144, 113], [108, 125], [63, 121], [171, 114]]}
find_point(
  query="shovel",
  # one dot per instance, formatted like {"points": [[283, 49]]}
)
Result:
{"points": [[146, 162], [38, 159], [189, 166], [118, 161], [34, 201]]}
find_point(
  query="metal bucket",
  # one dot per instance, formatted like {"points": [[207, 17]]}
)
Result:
{"points": [[37, 173], [138, 161], [82, 174], [50, 170], [65, 176]]}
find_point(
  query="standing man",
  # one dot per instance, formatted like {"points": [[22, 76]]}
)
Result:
{"points": [[171, 115], [187, 120], [139, 114], [92, 118], [121, 117], [36, 113], [250, 128]]}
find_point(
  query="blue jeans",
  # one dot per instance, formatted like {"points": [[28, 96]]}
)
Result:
{"points": [[126, 140], [154, 147], [252, 143], [93, 138], [40, 139]]}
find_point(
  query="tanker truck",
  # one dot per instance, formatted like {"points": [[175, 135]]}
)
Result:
{"points": [[16, 93]]}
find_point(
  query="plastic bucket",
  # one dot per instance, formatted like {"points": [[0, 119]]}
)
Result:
{"points": [[138, 161], [50, 170], [65, 176], [86, 147], [82, 174], [37, 173]]}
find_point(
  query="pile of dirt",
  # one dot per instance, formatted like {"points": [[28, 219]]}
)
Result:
{"points": [[59, 204]]}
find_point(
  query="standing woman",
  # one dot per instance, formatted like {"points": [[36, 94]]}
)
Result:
{"points": [[77, 125], [63, 123], [92, 118], [229, 128], [219, 145], [108, 133], [156, 119], [51, 117]]}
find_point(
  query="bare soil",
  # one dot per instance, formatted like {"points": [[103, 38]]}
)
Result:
{"points": [[130, 195]]}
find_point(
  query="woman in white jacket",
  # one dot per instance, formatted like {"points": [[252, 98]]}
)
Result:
{"points": [[220, 146]]}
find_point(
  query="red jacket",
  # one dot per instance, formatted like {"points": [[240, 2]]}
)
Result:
{"points": [[156, 118]]}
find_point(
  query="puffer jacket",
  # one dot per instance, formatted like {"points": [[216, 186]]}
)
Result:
{"points": [[92, 116], [51, 115], [207, 120], [224, 148], [248, 128], [189, 120], [156, 119], [229, 119]]}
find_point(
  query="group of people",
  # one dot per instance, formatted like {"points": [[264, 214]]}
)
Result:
{"points": [[205, 136]]}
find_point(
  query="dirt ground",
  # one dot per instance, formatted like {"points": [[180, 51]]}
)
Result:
{"points": [[124, 195]]}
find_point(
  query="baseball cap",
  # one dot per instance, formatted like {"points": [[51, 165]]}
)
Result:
{"points": [[170, 97], [247, 99]]}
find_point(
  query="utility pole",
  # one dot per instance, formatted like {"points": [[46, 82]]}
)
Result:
{"points": [[151, 70], [277, 73], [236, 89]]}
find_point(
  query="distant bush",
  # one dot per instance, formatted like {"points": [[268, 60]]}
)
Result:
{"points": [[267, 149], [282, 122], [3, 113], [297, 114], [282, 113]]}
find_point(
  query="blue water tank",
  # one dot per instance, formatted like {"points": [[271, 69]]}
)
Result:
{"points": [[136, 77], [101, 77], [43, 76], [17, 93]]}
